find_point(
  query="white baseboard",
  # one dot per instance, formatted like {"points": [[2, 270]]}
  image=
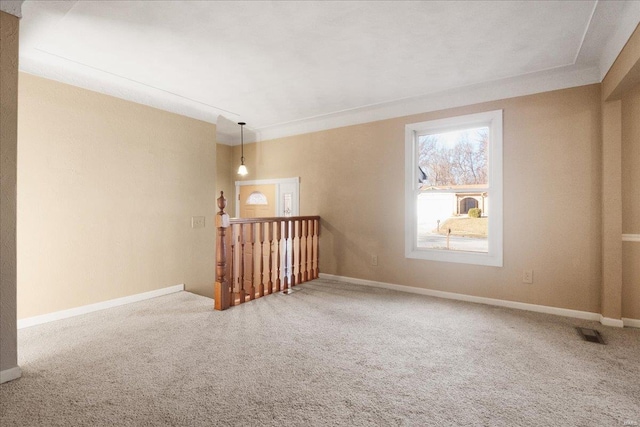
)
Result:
{"points": [[58, 315], [631, 323], [10, 374], [586, 315], [608, 321]]}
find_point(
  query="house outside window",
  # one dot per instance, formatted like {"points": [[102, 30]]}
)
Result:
{"points": [[453, 189]]}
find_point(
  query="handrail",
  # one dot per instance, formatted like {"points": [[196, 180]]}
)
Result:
{"points": [[270, 219], [267, 255]]}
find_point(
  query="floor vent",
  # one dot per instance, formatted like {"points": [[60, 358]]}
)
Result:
{"points": [[591, 335]]}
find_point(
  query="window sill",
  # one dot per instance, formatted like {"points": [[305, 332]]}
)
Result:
{"points": [[460, 257]]}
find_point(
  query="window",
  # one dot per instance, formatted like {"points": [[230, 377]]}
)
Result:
{"points": [[453, 189], [287, 202], [257, 198]]}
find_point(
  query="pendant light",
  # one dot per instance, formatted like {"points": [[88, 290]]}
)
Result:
{"points": [[242, 170]]}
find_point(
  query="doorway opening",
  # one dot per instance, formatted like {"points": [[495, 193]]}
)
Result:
{"points": [[466, 204], [265, 198]]}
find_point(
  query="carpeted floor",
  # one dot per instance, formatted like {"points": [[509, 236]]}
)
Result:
{"points": [[328, 354]]}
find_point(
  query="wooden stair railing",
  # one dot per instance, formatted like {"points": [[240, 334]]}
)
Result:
{"points": [[259, 256]]}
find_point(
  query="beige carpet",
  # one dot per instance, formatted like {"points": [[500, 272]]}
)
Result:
{"points": [[328, 354]]}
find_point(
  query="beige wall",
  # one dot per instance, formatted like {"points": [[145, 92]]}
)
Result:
{"points": [[226, 176], [106, 192], [631, 162], [354, 178], [621, 260], [9, 32], [631, 203]]}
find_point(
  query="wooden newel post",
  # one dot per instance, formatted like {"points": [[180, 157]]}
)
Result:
{"points": [[222, 291]]}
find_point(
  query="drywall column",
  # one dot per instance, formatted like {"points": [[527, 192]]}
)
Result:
{"points": [[612, 213], [621, 78], [624, 74], [631, 207], [9, 34]]}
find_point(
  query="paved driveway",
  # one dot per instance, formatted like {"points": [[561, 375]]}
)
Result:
{"points": [[458, 243]]}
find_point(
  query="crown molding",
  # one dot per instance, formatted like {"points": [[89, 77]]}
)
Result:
{"points": [[12, 7], [69, 72], [528, 84], [60, 69]]}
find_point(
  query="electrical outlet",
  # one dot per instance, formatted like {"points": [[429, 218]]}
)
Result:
{"points": [[527, 276], [197, 222], [374, 259]]}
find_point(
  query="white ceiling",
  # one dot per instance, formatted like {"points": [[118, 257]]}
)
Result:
{"points": [[291, 67]]}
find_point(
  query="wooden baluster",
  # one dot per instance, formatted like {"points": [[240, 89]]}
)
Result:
{"points": [[234, 264], [316, 273], [294, 252], [293, 281], [314, 250], [229, 243], [252, 289], [260, 228], [309, 249], [300, 222], [269, 231], [221, 288], [241, 264], [300, 264], [285, 281], [306, 251], [312, 271], [278, 261], [291, 254]]}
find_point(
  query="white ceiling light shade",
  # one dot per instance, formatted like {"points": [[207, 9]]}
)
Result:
{"points": [[242, 170]]}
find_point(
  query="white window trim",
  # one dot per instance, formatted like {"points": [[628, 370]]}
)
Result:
{"points": [[494, 257]]}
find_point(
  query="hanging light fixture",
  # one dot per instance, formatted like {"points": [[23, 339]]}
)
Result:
{"points": [[242, 170]]}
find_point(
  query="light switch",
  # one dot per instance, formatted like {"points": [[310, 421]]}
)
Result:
{"points": [[197, 222]]}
